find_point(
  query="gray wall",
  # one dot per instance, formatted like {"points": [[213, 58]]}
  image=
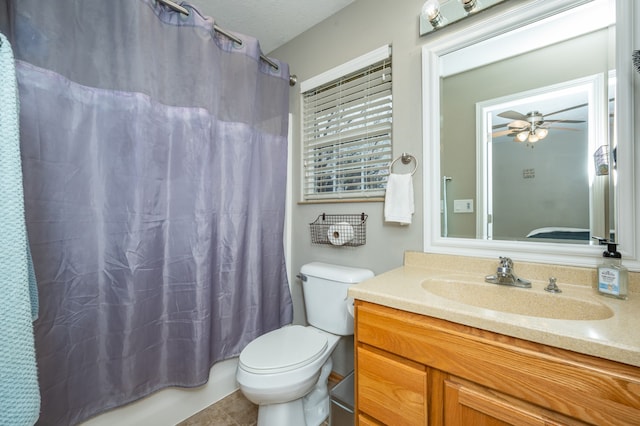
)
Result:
{"points": [[558, 195], [358, 29]]}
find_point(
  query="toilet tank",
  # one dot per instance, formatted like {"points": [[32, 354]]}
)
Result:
{"points": [[324, 288]]}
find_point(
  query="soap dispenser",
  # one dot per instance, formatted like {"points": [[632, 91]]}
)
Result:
{"points": [[612, 275]]}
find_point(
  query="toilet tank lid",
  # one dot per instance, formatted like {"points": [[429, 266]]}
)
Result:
{"points": [[339, 273]]}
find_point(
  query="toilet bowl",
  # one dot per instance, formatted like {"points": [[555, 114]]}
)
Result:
{"points": [[285, 371], [278, 369]]}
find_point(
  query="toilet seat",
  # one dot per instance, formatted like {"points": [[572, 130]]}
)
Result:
{"points": [[282, 350]]}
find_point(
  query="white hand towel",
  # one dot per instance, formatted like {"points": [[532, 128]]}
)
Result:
{"points": [[398, 202]]}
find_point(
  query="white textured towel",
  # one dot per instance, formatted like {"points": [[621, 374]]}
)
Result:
{"points": [[398, 202]]}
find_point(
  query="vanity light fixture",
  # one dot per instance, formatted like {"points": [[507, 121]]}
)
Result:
{"points": [[436, 14], [431, 12]]}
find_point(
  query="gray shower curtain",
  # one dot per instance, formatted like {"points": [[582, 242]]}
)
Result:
{"points": [[154, 161]]}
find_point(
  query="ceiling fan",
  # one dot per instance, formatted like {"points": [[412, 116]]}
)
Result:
{"points": [[533, 126]]}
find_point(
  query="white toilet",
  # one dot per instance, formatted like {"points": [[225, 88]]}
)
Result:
{"points": [[285, 371]]}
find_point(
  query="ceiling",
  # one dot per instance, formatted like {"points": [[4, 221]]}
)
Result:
{"points": [[272, 22]]}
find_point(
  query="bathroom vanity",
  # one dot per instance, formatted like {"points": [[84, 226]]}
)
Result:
{"points": [[425, 358]]}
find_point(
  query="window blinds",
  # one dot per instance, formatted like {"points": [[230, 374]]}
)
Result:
{"points": [[347, 134]]}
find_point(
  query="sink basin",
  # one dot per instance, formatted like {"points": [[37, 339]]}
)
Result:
{"points": [[534, 302]]}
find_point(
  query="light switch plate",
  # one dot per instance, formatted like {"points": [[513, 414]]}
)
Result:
{"points": [[463, 206]]}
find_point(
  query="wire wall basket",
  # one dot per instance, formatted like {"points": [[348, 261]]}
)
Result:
{"points": [[339, 229], [601, 160]]}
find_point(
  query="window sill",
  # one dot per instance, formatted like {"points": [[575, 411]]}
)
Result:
{"points": [[343, 200]]}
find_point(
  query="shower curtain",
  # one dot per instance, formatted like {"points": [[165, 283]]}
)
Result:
{"points": [[154, 161]]}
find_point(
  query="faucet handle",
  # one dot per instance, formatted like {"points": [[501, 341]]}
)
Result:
{"points": [[505, 268], [552, 287], [505, 275], [506, 262]]}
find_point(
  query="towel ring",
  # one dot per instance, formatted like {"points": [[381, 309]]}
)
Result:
{"points": [[406, 159]]}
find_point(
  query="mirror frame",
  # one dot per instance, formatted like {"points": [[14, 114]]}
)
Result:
{"points": [[502, 20]]}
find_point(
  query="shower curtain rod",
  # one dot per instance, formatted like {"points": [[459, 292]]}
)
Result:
{"points": [[292, 79]]}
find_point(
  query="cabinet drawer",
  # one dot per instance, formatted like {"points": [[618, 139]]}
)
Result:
{"points": [[391, 390]]}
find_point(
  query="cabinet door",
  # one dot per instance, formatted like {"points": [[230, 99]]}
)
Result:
{"points": [[390, 389], [365, 421], [468, 404]]}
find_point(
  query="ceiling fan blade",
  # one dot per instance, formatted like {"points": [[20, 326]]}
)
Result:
{"points": [[519, 124], [566, 109], [570, 108], [515, 124], [513, 115], [564, 121], [563, 128], [502, 133]]}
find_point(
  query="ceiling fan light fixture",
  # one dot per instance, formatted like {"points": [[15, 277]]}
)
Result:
{"points": [[522, 136], [533, 138], [541, 133]]}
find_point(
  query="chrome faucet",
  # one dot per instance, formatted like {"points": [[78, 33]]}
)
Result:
{"points": [[505, 275]]}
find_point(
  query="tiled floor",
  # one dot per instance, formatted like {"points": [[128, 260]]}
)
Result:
{"points": [[234, 410]]}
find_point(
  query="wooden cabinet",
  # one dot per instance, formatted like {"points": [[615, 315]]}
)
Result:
{"points": [[417, 370]]}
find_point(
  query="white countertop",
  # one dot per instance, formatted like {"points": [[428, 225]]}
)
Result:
{"points": [[616, 338]]}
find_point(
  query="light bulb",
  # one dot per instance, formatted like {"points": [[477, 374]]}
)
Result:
{"points": [[533, 138], [469, 5], [431, 11], [522, 136], [541, 133]]}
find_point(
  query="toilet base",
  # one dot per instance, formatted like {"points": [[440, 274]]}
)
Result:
{"points": [[310, 410], [285, 414], [316, 403]]}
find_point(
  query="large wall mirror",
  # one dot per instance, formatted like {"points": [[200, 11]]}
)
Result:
{"points": [[525, 116]]}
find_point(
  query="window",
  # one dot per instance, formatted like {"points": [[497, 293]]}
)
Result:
{"points": [[347, 129]]}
